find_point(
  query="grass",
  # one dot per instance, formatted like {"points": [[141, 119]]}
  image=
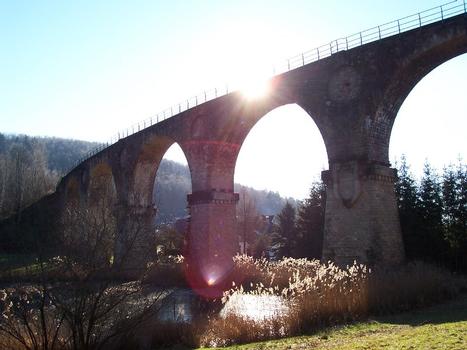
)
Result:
{"points": [[439, 327]]}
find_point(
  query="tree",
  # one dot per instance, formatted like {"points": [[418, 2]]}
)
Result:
{"points": [[80, 302], [310, 223], [431, 213], [247, 220], [454, 189], [287, 229], [168, 242], [24, 177], [409, 213]]}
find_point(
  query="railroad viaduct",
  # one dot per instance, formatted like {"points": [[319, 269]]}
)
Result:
{"points": [[353, 96]]}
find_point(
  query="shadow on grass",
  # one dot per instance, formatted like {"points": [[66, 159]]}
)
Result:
{"points": [[453, 311]]}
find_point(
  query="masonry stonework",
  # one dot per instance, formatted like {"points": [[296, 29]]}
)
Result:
{"points": [[353, 97]]}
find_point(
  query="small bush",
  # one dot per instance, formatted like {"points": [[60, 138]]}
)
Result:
{"points": [[170, 273]]}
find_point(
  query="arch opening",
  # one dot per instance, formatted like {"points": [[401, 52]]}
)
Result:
{"points": [[89, 223], [171, 186], [280, 160], [431, 123], [430, 129]]}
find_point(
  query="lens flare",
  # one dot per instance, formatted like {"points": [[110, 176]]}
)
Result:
{"points": [[255, 88]]}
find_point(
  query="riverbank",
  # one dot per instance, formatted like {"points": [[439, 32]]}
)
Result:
{"points": [[442, 326]]}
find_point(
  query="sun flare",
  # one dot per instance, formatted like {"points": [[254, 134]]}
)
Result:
{"points": [[255, 88]]}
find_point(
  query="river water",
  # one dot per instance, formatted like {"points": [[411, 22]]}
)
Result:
{"points": [[180, 306]]}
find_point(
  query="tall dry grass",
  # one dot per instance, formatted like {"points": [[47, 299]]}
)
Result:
{"points": [[322, 294]]}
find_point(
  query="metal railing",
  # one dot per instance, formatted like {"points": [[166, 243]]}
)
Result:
{"points": [[398, 26]]}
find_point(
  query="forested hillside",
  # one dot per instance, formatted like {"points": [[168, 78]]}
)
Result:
{"points": [[60, 154], [31, 166]]}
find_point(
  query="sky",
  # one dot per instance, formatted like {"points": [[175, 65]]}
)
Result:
{"points": [[87, 69]]}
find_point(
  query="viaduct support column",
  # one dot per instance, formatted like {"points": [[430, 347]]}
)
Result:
{"points": [[212, 235], [362, 220], [212, 240]]}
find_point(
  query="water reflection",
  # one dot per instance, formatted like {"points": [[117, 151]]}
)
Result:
{"points": [[255, 307], [182, 304], [178, 306]]}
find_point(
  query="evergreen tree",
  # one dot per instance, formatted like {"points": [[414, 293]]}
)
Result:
{"points": [[409, 213], [310, 222], [450, 203], [431, 210], [454, 213], [287, 228]]}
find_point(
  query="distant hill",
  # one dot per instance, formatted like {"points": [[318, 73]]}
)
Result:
{"points": [[172, 184], [60, 153]]}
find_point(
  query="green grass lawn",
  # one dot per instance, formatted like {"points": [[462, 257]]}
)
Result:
{"points": [[439, 327]]}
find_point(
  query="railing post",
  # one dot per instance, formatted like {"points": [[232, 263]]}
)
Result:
{"points": [[361, 39], [465, 9], [346, 43], [171, 111], [179, 108], [379, 32], [215, 92], [337, 45], [288, 64], [205, 96], [196, 100], [330, 47], [442, 15], [399, 26], [317, 51], [419, 20], [303, 59], [187, 104]]}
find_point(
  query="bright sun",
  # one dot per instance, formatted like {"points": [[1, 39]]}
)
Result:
{"points": [[255, 88]]}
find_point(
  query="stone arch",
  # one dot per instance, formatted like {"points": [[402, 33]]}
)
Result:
{"points": [[73, 196], [299, 109], [98, 212], [441, 116], [101, 186], [148, 161], [402, 82], [170, 201], [246, 211]]}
